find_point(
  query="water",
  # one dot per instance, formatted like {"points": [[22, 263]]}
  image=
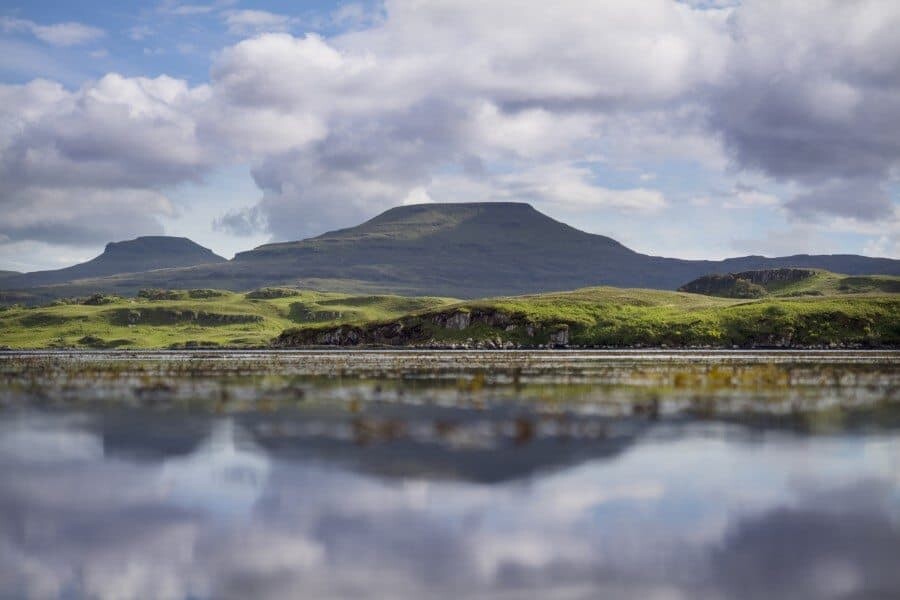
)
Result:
{"points": [[448, 475]]}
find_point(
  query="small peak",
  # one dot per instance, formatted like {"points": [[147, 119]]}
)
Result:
{"points": [[157, 245]]}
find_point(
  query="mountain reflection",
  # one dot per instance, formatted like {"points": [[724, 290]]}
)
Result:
{"points": [[98, 504]]}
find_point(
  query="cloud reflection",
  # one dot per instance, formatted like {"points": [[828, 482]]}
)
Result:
{"points": [[781, 516]]}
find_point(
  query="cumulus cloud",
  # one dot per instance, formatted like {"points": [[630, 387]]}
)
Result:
{"points": [[242, 222], [744, 195], [811, 96], [57, 34], [82, 216], [85, 166], [355, 124], [571, 189], [861, 199], [455, 100]]}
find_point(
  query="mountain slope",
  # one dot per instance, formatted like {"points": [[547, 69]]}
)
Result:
{"points": [[460, 250], [502, 248], [131, 256]]}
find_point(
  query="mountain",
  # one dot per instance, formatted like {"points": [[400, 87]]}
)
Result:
{"points": [[132, 256], [4, 274], [460, 250], [499, 249]]}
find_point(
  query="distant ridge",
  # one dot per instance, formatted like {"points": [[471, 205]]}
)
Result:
{"points": [[132, 256], [460, 250]]}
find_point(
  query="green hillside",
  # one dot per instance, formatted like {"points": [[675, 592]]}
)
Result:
{"points": [[191, 318], [787, 283], [612, 317], [843, 311]]}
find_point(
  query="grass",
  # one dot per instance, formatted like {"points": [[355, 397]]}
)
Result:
{"points": [[846, 311], [614, 317], [825, 283], [190, 318], [607, 318]]}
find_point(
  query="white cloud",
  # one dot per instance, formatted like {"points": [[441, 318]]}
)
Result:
{"points": [[84, 167], [884, 245], [248, 22], [750, 197], [352, 125], [812, 96], [456, 100], [571, 189], [355, 15], [57, 34]]}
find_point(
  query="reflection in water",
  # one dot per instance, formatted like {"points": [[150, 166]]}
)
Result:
{"points": [[408, 499]]}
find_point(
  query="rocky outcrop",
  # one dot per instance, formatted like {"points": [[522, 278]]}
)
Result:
{"points": [[560, 337], [766, 277], [746, 284], [457, 320], [490, 328]]}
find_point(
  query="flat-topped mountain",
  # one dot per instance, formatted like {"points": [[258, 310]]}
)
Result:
{"points": [[459, 250], [480, 249], [494, 226], [132, 256]]}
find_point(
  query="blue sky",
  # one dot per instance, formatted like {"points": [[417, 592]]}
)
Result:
{"points": [[681, 128]]}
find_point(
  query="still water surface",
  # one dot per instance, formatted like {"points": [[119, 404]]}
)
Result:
{"points": [[450, 475]]}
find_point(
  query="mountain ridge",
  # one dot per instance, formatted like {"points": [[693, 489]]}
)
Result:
{"points": [[462, 250]]}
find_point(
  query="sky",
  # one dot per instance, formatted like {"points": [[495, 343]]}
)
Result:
{"points": [[687, 128]]}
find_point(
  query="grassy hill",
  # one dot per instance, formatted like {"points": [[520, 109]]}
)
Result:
{"points": [[845, 311], [460, 250], [191, 318], [787, 283], [613, 317]]}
